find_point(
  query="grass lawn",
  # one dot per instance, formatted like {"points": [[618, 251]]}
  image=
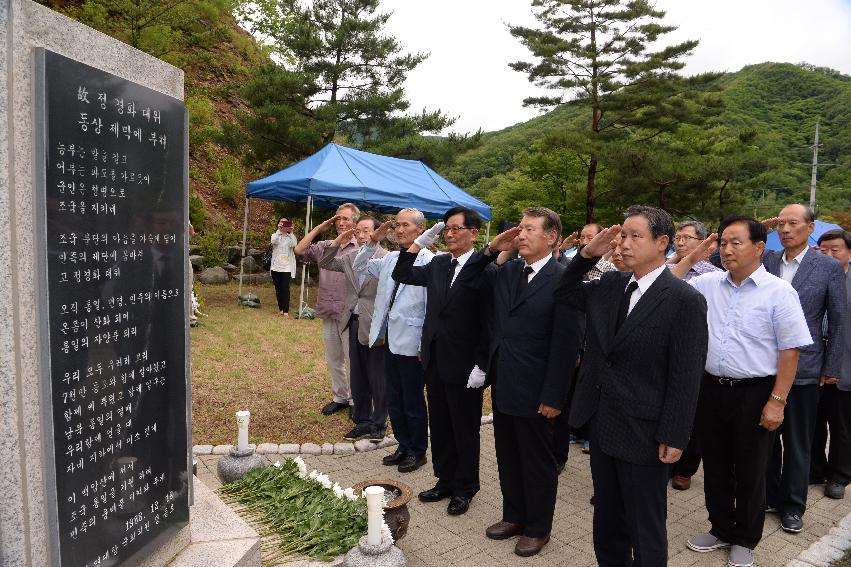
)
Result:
{"points": [[244, 358]]}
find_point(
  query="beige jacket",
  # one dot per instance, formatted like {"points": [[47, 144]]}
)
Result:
{"points": [[362, 296]]}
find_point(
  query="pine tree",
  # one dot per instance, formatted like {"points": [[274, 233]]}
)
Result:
{"points": [[354, 71], [597, 54]]}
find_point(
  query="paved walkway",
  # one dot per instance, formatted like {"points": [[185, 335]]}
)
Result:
{"points": [[436, 539]]}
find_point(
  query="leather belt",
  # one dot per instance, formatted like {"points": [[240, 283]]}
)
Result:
{"points": [[733, 382]]}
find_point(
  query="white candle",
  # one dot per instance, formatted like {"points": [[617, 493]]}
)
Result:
{"points": [[242, 418], [375, 513]]}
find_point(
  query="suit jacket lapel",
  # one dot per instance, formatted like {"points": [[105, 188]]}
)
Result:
{"points": [[803, 272], [533, 286], [645, 306]]}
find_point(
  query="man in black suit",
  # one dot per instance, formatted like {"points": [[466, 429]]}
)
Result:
{"points": [[454, 350], [640, 392], [530, 381]]}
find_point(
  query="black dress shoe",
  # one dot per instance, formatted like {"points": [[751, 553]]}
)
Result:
{"points": [[394, 458], [834, 490], [410, 463], [791, 523], [434, 495], [333, 407], [458, 505]]}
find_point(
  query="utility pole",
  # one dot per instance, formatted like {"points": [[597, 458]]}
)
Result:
{"points": [[814, 174]]}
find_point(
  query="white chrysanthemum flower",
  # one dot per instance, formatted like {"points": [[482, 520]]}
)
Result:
{"points": [[350, 494], [302, 466], [385, 532], [338, 490], [277, 464], [325, 480], [313, 474]]}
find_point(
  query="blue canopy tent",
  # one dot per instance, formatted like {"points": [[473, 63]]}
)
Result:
{"points": [[773, 242], [336, 174]]}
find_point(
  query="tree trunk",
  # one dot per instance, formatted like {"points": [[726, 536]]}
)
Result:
{"points": [[590, 188]]}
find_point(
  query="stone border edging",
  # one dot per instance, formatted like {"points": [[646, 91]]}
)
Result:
{"points": [[828, 548], [345, 448]]}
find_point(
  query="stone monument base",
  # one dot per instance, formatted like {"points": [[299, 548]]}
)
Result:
{"points": [[217, 535]]}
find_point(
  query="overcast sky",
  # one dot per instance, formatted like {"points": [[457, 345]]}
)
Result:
{"points": [[468, 76]]}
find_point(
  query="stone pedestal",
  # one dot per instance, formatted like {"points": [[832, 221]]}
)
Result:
{"points": [[383, 555], [237, 464]]}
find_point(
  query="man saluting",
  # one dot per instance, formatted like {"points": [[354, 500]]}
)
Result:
{"points": [[640, 392]]}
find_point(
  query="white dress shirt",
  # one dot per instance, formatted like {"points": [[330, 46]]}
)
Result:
{"points": [[462, 259], [790, 267], [536, 266], [750, 324], [644, 284]]}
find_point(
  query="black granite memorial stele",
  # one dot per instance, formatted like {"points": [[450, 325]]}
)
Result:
{"points": [[112, 197]]}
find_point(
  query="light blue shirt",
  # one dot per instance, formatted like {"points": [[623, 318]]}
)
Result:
{"points": [[750, 324], [405, 321]]}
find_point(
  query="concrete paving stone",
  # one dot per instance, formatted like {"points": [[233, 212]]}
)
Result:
{"points": [[311, 449], [820, 555], [388, 441], [343, 448], [222, 449], [364, 445], [289, 448], [487, 419], [799, 563], [267, 448], [839, 542], [202, 449], [327, 448]]}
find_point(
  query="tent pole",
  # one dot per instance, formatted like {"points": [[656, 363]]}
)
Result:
{"points": [[244, 238], [304, 264], [488, 233]]}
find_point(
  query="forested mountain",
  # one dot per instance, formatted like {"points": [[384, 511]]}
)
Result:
{"points": [[762, 137], [749, 153]]}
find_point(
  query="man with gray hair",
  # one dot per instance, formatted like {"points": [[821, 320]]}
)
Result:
{"points": [[397, 322], [330, 302], [688, 237]]}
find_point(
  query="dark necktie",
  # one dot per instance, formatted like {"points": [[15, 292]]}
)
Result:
{"points": [[624, 306], [522, 283], [452, 265]]}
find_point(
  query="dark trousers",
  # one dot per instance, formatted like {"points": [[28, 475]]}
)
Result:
{"points": [[561, 437], [527, 471], [789, 469], [690, 460], [834, 412], [455, 416], [406, 403], [366, 379], [630, 508], [282, 289], [736, 450], [563, 430]]}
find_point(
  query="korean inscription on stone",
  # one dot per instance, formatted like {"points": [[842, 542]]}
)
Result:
{"points": [[115, 203]]}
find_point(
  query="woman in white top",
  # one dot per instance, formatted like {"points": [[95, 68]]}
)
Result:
{"points": [[283, 263]]}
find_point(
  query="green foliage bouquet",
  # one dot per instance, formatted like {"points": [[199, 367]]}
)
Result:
{"points": [[299, 514]]}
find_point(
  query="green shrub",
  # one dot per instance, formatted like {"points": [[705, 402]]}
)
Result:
{"points": [[229, 185], [216, 235], [202, 125], [197, 213]]}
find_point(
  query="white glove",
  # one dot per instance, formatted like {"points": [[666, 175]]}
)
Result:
{"points": [[477, 378], [430, 236]]}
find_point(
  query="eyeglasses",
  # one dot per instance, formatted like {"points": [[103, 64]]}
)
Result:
{"points": [[451, 229], [684, 238]]}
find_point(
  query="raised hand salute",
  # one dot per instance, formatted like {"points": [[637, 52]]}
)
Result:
{"points": [[601, 244]]}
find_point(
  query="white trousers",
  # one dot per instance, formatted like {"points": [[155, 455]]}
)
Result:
{"points": [[337, 356]]}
